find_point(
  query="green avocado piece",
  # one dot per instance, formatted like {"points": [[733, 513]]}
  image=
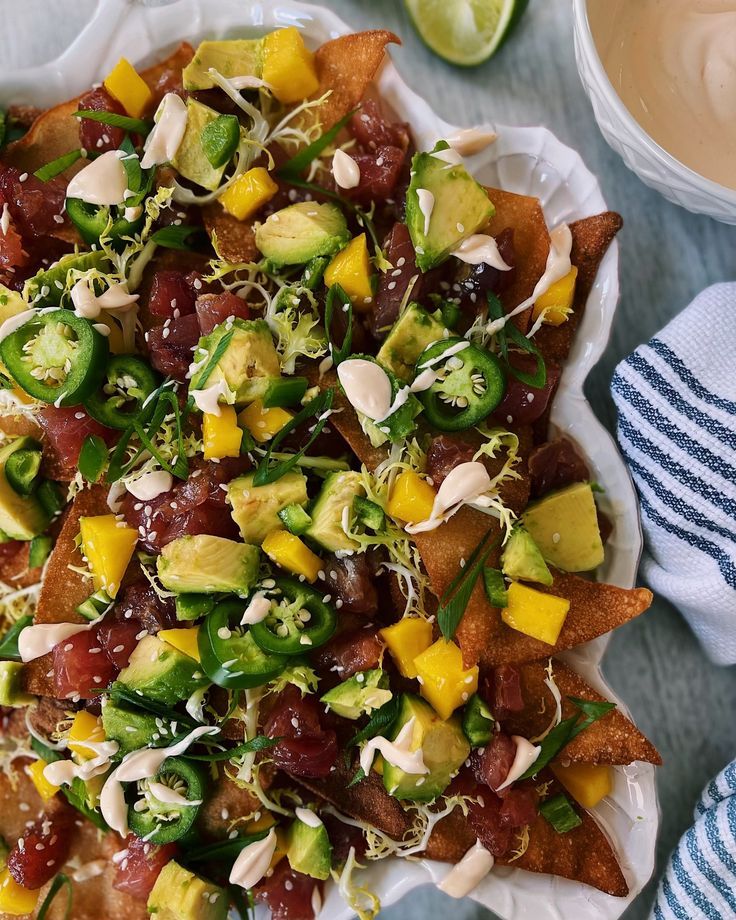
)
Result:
{"points": [[247, 365], [521, 559], [478, 722], [461, 207], [308, 848], [11, 303], [131, 728], [359, 695], [444, 747], [337, 493], [22, 517], [240, 57], [564, 525], [204, 564], [301, 232], [255, 509], [190, 159], [44, 289], [161, 672], [412, 332], [11, 691], [179, 894]]}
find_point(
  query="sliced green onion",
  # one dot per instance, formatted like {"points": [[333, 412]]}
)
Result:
{"points": [[261, 743], [509, 332], [57, 166], [222, 849], [93, 458], [495, 586], [284, 391], [39, 551], [341, 353], [173, 237], [9, 642], [214, 359], [456, 597], [380, 722], [298, 163], [58, 883], [560, 814], [134, 125]]}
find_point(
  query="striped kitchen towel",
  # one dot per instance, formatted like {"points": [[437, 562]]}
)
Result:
{"points": [[676, 401], [700, 881]]}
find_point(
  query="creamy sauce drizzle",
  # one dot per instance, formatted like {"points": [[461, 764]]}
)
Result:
{"points": [[168, 796], [308, 817], [15, 322], [366, 386], [117, 298], [5, 219], [89, 870], [345, 170], [468, 141], [426, 206], [103, 181], [481, 249], [467, 483], [150, 485], [397, 752], [526, 754], [673, 64], [36, 641], [168, 132], [64, 772], [208, 400], [466, 875], [257, 610], [254, 861]]}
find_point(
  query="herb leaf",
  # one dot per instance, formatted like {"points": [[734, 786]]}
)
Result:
{"points": [[222, 849], [380, 722], [57, 166], [58, 883], [259, 743], [9, 642], [457, 594], [343, 352], [92, 457], [298, 163], [114, 120], [173, 237], [119, 694], [509, 332]]}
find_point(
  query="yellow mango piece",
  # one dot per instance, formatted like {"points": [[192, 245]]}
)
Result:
{"points": [[248, 193], [263, 424], [14, 898], [557, 301], [587, 783], [534, 613], [185, 640], [221, 435], [351, 269], [281, 847], [108, 546], [129, 88], [263, 822], [288, 66], [405, 640], [44, 788], [412, 498], [445, 683], [85, 727], [292, 554]]}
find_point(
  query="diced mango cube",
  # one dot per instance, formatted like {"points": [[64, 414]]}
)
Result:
{"points": [[406, 640], [185, 640], [221, 435], [587, 783], [281, 847], [248, 193], [351, 269], [85, 727], [263, 424], [288, 66], [445, 683], [535, 613], [108, 547], [44, 788], [129, 88], [557, 301], [292, 554], [412, 498], [14, 898], [265, 821]]}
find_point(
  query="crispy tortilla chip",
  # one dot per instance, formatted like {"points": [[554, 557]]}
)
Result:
{"points": [[236, 239], [345, 67], [614, 739], [223, 805]]}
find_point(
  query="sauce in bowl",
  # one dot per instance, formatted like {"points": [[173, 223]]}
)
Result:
{"points": [[673, 64]]}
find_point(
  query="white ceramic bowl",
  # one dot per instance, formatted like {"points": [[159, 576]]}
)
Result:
{"points": [[643, 155], [528, 161]]}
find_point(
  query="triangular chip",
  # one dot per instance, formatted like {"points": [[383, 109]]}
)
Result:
{"points": [[235, 239]]}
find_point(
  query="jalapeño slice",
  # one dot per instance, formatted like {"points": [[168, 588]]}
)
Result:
{"points": [[156, 815], [470, 384], [126, 385], [299, 620], [229, 654], [93, 221], [56, 357]]}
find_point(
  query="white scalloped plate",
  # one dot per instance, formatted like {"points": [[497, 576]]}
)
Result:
{"points": [[529, 161]]}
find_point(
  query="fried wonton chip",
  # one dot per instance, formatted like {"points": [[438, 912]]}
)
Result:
{"points": [[236, 239], [613, 739], [225, 803]]}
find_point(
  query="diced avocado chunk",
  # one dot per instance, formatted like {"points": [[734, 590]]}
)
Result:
{"points": [[255, 509], [248, 363], [412, 332], [44, 289], [461, 207], [239, 57], [203, 564], [359, 695], [478, 722], [131, 728], [11, 689], [179, 894], [11, 303], [301, 232], [161, 672], [564, 525], [308, 848], [190, 159], [193, 606], [328, 512], [521, 559], [444, 749], [22, 517]]}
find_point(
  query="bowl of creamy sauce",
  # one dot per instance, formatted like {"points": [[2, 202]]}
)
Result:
{"points": [[661, 75]]}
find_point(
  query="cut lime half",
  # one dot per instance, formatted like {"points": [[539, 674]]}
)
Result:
{"points": [[465, 32]]}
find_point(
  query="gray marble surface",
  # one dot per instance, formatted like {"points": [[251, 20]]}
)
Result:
{"points": [[685, 704]]}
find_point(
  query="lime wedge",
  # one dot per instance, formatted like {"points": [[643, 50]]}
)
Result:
{"points": [[465, 32]]}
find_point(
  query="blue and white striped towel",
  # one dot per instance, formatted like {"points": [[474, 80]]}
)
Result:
{"points": [[676, 400]]}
